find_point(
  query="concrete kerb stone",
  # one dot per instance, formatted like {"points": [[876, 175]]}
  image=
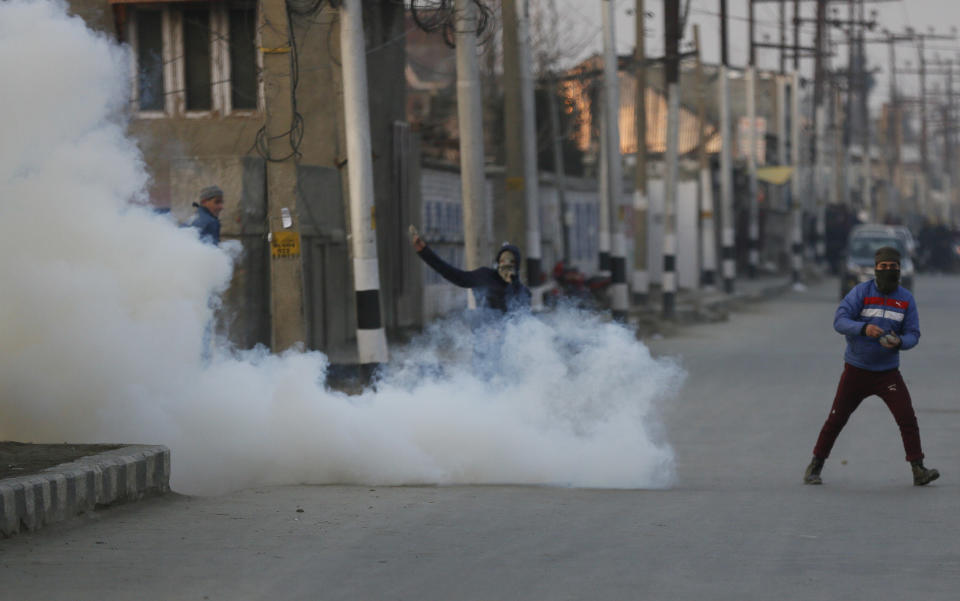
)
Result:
{"points": [[70, 489], [699, 306]]}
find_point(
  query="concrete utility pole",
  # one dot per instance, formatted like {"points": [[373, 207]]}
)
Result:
{"points": [[783, 136], [924, 149], [620, 295], [470, 120], [641, 277], [371, 337], [796, 206], [819, 121], [708, 243], [671, 17], [750, 78], [559, 173], [866, 190], [287, 324], [893, 133], [754, 214], [531, 176], [515, 172], [726, 162]]}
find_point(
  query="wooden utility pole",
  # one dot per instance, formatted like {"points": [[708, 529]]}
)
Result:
{"points": [[287, 324]]}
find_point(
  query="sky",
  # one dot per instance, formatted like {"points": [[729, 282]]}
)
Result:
{"points": [[894, 15]]}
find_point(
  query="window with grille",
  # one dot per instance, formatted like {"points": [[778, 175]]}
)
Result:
{"points": [[195, 59]]}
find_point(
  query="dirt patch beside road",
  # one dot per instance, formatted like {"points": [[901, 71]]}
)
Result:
{"points": [[23, 458]]}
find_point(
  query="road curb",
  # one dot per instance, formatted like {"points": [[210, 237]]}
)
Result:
{"points": [[58, 493]]}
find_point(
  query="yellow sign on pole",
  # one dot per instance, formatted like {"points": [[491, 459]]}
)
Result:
{"points": [[284, 243]]}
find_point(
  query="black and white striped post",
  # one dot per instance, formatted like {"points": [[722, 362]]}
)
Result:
{"points": [[796, 205], [619, 293], [671, 16], [753, 263], [727, 260], [531, 182], [371, 336]]}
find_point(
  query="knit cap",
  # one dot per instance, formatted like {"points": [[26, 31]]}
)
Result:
{"points": [[886, 253]]}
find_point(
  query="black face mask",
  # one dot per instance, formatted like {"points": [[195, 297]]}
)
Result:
{"points": [[887, 280]]}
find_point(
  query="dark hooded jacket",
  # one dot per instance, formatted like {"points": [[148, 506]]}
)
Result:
{"points": [[489, 289], [206, 224]]}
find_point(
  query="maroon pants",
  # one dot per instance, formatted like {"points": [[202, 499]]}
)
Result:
{"points": [[857, 384]]}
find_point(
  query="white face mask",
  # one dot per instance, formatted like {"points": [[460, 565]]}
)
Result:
{"points": [[507, 266]]}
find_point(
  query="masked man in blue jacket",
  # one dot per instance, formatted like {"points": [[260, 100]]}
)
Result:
{"points": [[499, 289], [879, 319]]}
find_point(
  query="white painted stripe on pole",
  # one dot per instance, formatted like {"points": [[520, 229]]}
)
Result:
{"points": [[357, 118], [729, 269], [670, 244], [604, 241], [754, 257], [620, 296], [372, 346], [708, 239], [366, 274], [728, 237], [619, 248], [797, 261], [640, 201], [669, 281], [534, 250], [641, 281]]}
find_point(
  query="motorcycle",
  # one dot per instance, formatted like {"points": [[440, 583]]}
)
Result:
{"points": [[572, 286]]}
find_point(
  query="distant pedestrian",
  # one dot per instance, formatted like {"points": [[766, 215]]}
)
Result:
{"points": [[879, 318], [207, 216], [499, 289]]}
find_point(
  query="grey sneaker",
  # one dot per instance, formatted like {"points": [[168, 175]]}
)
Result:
{"points": [[921, 475], [812, 475]]}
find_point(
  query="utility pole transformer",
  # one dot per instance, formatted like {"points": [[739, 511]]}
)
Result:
{"points": [[371, 337]]}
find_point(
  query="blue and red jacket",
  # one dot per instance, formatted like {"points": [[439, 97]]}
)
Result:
{"points": [[896, 312]]}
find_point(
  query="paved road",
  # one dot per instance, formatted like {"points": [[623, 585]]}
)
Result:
{"points": [[738, 524]]}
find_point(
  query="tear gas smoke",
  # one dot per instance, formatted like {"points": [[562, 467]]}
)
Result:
{"points": [[104, 306]]}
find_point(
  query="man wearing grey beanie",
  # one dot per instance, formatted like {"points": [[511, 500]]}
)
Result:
{"points": [[207, 217]]}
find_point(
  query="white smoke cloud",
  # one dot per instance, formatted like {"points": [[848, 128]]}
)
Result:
{"points": [[104, 306]]}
